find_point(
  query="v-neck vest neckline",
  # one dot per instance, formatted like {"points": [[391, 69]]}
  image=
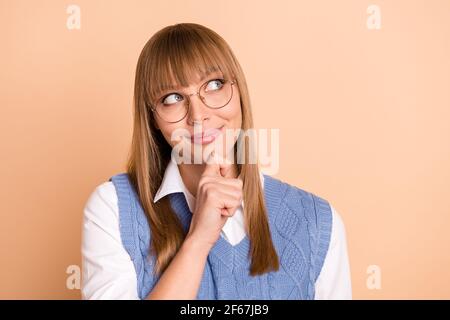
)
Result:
{"points": [[231, 255]]}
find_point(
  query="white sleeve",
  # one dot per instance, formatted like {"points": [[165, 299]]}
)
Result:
{"points": [[107, 269], [334, 281]]}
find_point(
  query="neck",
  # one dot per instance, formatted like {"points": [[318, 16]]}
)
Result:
{"points": [[191, 174]]}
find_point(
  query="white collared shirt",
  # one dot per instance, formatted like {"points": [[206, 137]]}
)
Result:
{"points": [[109, 273], [233, 230]]}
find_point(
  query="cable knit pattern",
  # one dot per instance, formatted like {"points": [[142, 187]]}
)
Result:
{"points": [[300, 225]]}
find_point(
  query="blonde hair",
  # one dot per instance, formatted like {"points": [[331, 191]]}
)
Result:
{"points": [[173, 55]]}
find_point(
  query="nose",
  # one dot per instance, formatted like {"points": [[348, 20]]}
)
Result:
{"points": [[198, 111]]}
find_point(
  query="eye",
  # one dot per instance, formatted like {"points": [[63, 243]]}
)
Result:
{"points": [[172, 98], [214, 85]]}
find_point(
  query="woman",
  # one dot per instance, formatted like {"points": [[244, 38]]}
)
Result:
{"points": [[170, 229]]}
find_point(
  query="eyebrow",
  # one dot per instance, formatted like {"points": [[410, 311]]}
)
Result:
{"points": [[202, 78]]}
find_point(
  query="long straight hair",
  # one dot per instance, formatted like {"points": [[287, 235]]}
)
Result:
{"points": [[173, 55]]}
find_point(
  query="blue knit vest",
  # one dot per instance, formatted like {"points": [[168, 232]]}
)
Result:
{"points": [[300, 226]]}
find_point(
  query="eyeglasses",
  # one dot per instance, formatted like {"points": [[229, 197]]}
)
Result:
{"points": [[174, 107]]}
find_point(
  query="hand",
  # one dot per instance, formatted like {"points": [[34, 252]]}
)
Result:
{"points": [[219, 195]]}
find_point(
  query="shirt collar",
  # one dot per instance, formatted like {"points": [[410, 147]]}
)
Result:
{"points": [[172, 183]]}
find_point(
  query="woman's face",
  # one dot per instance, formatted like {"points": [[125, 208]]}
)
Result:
{"points": [[202, 120]]}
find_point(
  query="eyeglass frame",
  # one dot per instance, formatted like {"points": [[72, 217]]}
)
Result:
{"points": [[197, 93]]}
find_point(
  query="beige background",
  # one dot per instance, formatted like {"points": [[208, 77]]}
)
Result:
{"points": [[363, 116]]}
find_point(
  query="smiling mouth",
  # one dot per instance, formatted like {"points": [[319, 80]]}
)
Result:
{"points": [[207, 136]]}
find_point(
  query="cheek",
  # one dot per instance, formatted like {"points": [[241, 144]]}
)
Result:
{"points": [[232, 113], [177, 139], [167, 131]]}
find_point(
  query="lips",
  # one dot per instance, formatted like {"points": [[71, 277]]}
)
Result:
{"points": [[207, 133]]}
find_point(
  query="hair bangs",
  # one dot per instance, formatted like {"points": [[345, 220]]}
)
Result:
{"points": [[183, 58]]}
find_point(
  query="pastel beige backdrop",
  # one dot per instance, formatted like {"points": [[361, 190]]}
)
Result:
{"points": [[363, 116]]}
